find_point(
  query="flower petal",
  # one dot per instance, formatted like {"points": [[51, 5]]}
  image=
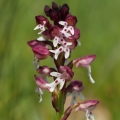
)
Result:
{"points": [[62, 83], [55, 41], [63, 23], [89, 74], [36, 63], [67, 52], [57, 52], [70, 28], [40, 92], [37, 27], [41, 39], [55, 74]]}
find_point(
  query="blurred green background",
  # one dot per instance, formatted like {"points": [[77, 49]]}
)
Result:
{"points": [[99, 22]]}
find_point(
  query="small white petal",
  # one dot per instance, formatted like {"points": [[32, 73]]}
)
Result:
{"points": [[70, 28], [67, 52], [74, 95], [87, 115], [69, 43], [53, 85], [81, 95], [56, 56], [41, 39], [53, 51], [36, 63], [79, 43], [62, 83], [67, 34], [40, 92], [90, 77], [55, 74], [63, 23], [57, 52], [55, 41], [44, 22], [37, 27], [89, 74], [92, 116]]}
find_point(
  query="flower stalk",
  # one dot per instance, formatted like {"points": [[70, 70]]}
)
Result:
{"points": [[57, 41]]}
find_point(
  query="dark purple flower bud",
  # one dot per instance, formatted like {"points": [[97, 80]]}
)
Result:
{"points": [[71, 20], [39, 48], [40, 19], [66, 72], [64, 10], [54, 16], [41, 52], [46, 10], [75, 85], [55, 6]]}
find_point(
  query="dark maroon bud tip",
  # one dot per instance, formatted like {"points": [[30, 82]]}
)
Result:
{"points": [[46, 10], [55, 6]]}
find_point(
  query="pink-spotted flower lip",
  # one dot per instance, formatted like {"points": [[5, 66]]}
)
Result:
{"points": [[67, 30], [56, 52], [85, 62], [66, 72], [60, 79]]}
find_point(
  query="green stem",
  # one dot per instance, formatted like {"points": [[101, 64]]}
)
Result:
{"points": [[60, 105]]}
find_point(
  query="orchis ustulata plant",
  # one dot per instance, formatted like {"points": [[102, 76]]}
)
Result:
{"points": [[58, 40]]}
